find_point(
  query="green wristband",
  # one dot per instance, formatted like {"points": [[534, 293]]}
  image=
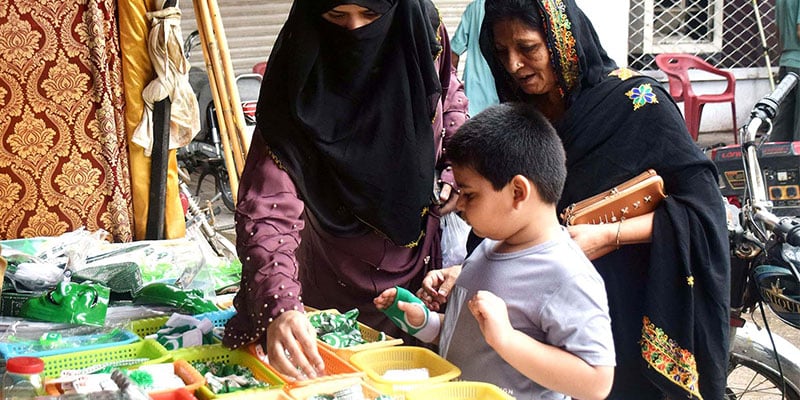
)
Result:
{"points": [[398, 317]]}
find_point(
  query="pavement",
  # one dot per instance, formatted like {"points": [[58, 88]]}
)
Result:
{"points": [[708, 139]]}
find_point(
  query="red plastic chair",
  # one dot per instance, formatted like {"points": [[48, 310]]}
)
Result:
{"points": [[677, 67], [260, 68]]}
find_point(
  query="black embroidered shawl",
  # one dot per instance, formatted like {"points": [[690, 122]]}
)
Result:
{"points": [[669, 299]]}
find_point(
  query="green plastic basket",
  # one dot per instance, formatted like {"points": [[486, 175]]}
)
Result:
{"points": [[149, 349], [147, 326], [219, 353]]}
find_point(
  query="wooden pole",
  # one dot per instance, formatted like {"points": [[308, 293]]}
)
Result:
{"points": [[211, 57], [225, 83], [764, 44], [230, 82]]}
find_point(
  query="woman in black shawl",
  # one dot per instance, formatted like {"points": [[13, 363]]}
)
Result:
{"points": [[666, 273], [336, 202]]}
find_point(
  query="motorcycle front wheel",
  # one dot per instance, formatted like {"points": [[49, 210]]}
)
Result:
{"points": [[224, 188], [748, 379]]}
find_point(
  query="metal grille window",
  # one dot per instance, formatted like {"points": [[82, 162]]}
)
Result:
{"points": [[725, 32]]}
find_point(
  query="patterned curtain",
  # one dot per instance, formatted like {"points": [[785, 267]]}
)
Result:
{"points": [[63, 147]]}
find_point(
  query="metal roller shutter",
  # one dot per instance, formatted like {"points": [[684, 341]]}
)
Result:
{"points": [[252, 26], [450, 11]]}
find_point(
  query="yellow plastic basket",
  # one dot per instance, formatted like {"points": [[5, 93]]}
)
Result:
{"points": [[255, 395], [218, 353], [376, 362], [464, 390], [370, 335], [332, 385], [145, 349]]}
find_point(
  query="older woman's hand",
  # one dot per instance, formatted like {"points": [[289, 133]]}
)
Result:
{"points": [[599, 240], [436, 286], [595, 240], [292, 346]]}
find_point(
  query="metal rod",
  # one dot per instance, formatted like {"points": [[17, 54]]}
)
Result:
{"points": [[764, 45]]}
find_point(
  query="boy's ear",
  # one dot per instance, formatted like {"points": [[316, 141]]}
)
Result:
{"points": [[522, 188]]}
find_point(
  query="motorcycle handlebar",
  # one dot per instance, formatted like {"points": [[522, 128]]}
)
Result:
{"points": [[787, 228], [767, 107]]}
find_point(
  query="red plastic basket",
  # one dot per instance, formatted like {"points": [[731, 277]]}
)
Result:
{"points": [[177, 394], [334, 365]]}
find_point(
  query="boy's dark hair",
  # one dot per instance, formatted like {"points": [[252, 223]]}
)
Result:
{"points": [[511, 139]]}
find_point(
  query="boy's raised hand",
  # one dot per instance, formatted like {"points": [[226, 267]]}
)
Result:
{"points": [[492, 315], [406, 310], [385, 299]]}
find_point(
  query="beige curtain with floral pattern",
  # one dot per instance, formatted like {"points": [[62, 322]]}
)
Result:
{"points": [[63, 147]]}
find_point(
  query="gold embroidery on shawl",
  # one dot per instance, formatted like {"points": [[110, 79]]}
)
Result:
{"points": [[668, 358], [564, 42], [624, 73]]}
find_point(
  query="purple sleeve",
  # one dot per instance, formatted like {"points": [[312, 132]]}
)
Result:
{"points": [[454, 107], [268, 225]]}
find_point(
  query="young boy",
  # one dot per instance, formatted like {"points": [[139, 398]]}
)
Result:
{"points": [[528, 312]]}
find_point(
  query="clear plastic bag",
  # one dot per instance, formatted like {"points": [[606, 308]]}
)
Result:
{"points": [[454, 239]]}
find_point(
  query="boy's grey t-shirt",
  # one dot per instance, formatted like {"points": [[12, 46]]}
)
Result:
{"points": [[553, 294]]}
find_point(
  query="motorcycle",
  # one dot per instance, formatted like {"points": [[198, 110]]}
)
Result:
{"points": [[765, 265], [202, 222], [205, 155]]}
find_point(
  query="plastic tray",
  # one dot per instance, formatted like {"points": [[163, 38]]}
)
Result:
{"points": [[177, 394], [32, 348], [464, 390], [191, 378], [334, 366], [148, 326], [268, 395], [376, 362], [331, 385], [148, 348], [218, 353], [370, 335]]}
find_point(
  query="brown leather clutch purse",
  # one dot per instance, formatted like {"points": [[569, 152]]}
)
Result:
{"points": [[637, 196]]}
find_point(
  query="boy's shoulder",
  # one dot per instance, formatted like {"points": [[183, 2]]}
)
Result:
{"points": [[562, 255], [570, 259]]}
